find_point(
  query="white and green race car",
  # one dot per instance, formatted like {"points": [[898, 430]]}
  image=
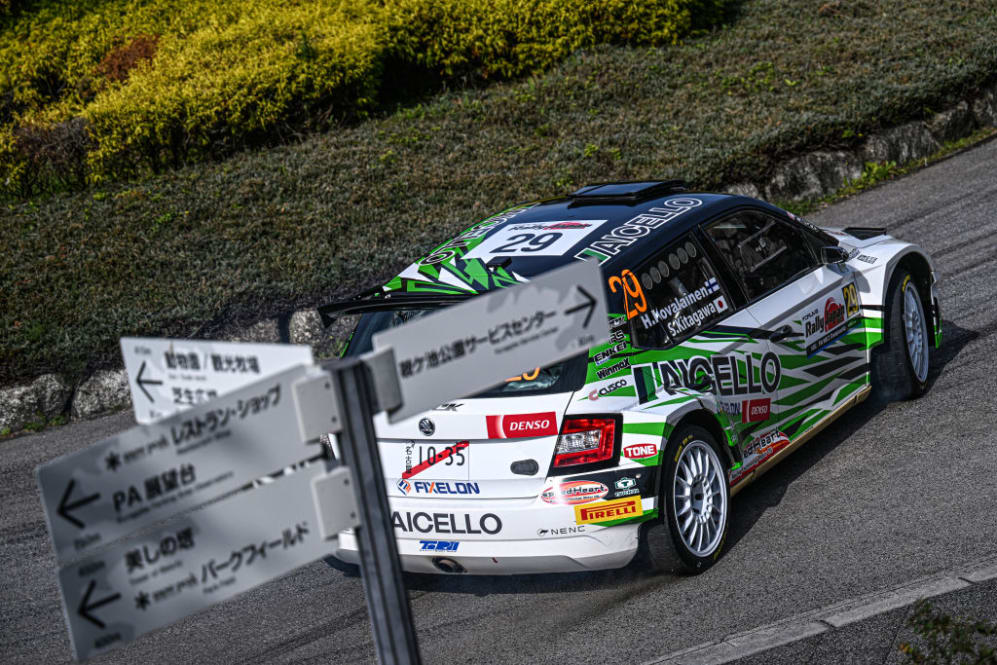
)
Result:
{"points": [[738, 332]]}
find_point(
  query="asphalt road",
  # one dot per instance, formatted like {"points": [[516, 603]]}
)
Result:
{"points": [[882, 497]]}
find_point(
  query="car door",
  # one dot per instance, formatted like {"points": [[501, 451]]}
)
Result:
{"points": [[691, 335], [805, 309]]}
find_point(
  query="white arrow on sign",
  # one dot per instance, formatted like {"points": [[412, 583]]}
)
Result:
{"points": [[170, 375], [469, 347], [151, 472], [199, 559]]}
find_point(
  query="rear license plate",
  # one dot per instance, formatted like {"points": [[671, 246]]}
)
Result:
{"points": [[429, 461]]}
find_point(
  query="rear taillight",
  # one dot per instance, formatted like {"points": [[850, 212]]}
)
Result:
{"points": [[585, 441]]}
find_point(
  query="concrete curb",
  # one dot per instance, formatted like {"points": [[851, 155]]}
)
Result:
{"points": [[813, 175]]}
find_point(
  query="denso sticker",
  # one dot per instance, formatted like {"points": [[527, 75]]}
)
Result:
{"points": [[535, 239], [605, 511], [521, 426], [640, 451], [755, 410], [574, 492]]}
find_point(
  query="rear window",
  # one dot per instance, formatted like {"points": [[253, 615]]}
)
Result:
{"points": [[561, 377]]}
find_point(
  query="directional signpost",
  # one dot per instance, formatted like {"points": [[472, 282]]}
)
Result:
{"points": [[169, 375], [152, 472], [204, 557], [162, 521], [470, 347]]}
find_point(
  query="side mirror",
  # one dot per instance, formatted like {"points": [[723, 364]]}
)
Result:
{"points": [[833, 255]]}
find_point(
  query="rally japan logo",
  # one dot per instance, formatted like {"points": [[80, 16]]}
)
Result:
{"points": [[521, 426], [834, 315]]}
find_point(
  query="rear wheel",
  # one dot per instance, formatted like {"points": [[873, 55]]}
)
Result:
{"points": [[900, 364], [695, 503]]}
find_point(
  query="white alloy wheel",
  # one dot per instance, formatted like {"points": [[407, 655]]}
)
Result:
{"points": [[699, 498], [916, 332]]}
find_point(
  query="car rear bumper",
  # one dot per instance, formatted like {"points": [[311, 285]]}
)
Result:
{"points": [[555, 555], [533, 539]]}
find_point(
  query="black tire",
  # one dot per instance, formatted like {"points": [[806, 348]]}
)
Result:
{"points": [[893, 374], [663, 550]]}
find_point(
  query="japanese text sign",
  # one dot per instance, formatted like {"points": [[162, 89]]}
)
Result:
{"points": [[469, 347], [151, 472], [192, 562], [169, 375]]}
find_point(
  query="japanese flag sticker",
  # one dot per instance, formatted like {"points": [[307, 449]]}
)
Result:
{"points": [[720, 303]]}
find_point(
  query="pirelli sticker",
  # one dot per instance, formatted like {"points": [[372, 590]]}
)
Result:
{"points": [[607, 511]]}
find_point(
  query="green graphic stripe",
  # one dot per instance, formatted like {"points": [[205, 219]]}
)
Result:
{"points": [[851, 387], [649, 461], [812, 420], [652, 429], [676, 400], [809, 391], [649, 515], [796, 361]]}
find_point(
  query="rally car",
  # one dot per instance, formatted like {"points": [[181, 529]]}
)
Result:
{"points": [[738, 332]]}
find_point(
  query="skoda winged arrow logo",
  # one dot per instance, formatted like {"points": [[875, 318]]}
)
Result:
{"points": [[427, 427]]}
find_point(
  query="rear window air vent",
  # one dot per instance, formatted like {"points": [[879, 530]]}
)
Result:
{"points": [[627, 192], [865, 232]]}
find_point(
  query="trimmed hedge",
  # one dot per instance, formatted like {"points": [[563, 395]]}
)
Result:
{"points": [[216, 77], [194, 250]]}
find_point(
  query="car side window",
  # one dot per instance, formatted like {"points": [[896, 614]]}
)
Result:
{"points": [[682, 295], [763, 252]]}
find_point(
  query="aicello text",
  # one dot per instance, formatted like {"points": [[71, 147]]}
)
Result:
{"points": [[489, 523]]}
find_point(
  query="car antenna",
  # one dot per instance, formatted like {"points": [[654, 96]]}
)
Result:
{"points": [[499, 262]]}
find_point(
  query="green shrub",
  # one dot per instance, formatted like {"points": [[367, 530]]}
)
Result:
{"points": [[943, 638], [219, 90], [164, 82], [507, 38]]}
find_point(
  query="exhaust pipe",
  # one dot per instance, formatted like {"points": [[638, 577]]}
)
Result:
{"points": [[449, 566]]}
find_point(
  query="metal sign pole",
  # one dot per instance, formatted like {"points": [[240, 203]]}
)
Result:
{"points": [[391, 616]]}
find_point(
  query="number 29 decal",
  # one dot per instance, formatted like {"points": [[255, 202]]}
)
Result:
{"points": [[634, 300], [851, 296]]}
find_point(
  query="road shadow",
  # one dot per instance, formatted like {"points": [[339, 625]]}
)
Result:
{"points": [[747, 508], [769, 490]]}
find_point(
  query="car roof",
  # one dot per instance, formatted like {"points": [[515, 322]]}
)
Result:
{"points": [[624, 229]]}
